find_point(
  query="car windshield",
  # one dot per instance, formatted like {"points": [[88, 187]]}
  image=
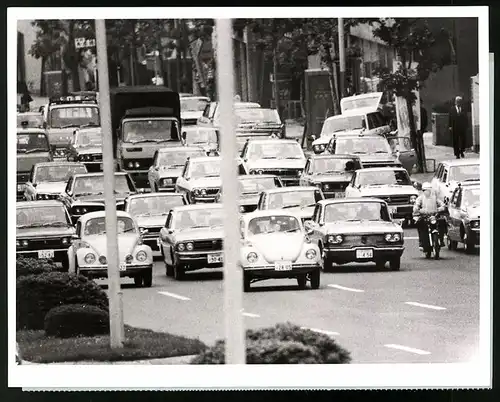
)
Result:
{"points": [[384, 178], [257, 115], [464, 173], [97, 226], [29, 120], [177, 158], [95, 185], [41, 216], [342, 124], [194, 104], [362, 145], [275, 150], [273, 224], [290, 199], [74, 116], [205, 169], [471, 197], [325, 165], [256, 185], [157, 205], [356, 211], [201, 136], [159, 130], [199, 218], [57, 173], [89, 138], [36, 142]]}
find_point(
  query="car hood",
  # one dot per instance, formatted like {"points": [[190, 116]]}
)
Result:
{"points": [[189, 115], [377, 157], [51, 187], [373, 191], [97, 199], [249, 199], [26, 161], [277, 164], [150, 221], [206, 182], [28, 233], [473, 212], [302, 212], [89, 150], [199, 234], [344, 177], [270, 246], [126, 244], [362, 227], [246, 127]]}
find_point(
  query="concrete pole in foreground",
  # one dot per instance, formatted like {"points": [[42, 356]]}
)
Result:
{"points": [[342, 58], [114, 292], [233, 276]]}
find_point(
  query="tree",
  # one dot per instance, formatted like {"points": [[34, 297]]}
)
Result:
{"points": [[419, 55]]}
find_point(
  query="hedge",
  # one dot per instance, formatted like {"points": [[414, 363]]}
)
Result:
{"points": [[32, 266], [73, 320]]}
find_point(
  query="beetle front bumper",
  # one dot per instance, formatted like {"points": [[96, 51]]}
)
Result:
{"points": [[268, 271], [345, 255]]}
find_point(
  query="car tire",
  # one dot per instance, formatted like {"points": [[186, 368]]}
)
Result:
{"points": [[314, 278], [395, 264], [65, 264], [246, 282], [147, 278], [178, 272], [380, 265], [302, 281], [469, 246], [326, 263], [138, 280]]}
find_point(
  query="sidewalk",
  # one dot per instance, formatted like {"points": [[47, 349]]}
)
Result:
{"points": [[168, 360]]}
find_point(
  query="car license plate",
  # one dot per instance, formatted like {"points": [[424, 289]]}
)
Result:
{"points": [[20, 187], [364, 253], [214, 258], [100, 166], [283, 266], [43, 254], [122, 267]]}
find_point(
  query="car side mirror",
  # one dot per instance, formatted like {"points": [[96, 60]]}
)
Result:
{"points": [[430, 165]]}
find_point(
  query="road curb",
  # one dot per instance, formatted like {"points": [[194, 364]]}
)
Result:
{"points": [[162, 361]]}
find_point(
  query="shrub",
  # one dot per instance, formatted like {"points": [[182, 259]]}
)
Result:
{"points": [[37, 294], [32, 266], [73, 320], [282, 344]]}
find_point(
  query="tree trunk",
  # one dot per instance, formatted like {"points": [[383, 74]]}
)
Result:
{"points": [[414, 137], [335, 101], [262, 77], [275, 74]]}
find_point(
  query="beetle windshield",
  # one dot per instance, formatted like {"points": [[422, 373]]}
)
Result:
{"points": [[356, 211], [194, 104], [347, 123], [275, 150], [199, 218], [41, 216], [257, 115], [362, 145], [323, 165], [256, 184], [97, 226], [157, 205], [273, 224], [57, 173], [201, 136], [207, 168]]}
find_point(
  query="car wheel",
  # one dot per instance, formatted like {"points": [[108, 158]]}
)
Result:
{"points": [[178, 272], [380, 265], [147, 278], [246, 282], [65, 264], [452, 244], [326, 262], [138, 279], [301, 281], [395, 264], [314, 277], [469, 247]]}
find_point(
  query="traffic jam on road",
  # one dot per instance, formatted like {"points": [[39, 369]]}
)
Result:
{"points": [[338, 220]]}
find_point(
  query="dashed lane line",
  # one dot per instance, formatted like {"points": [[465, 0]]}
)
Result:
{"points": [[408, 349], [251, 315], [321, 331], [345, 288], [425, 306], [174, 295]]}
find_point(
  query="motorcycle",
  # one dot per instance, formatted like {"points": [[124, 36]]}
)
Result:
{"points": [[433, 244]]}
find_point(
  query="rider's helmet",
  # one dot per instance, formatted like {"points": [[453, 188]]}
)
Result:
{"points": [[426, 186]]}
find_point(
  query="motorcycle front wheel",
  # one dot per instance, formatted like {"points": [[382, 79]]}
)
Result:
{"points": [[435, 242]]}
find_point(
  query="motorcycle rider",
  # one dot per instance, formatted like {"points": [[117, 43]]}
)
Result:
{"points": [[425, 205]]}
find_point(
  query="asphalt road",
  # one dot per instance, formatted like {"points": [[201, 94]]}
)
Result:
{"points": [[426, 313]]}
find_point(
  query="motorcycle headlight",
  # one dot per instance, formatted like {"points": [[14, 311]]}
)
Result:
{"points": [[335, 239], [432, 220], [181, 247], [103, 260], [252, 257], [141, 256], [189, 246], [413, 198], [311, 254], [89, 258]]}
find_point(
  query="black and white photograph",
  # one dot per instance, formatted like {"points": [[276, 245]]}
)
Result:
{"points": [[295, 197]]}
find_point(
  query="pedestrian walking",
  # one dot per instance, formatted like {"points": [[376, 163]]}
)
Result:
{"points": [[458, 127]]}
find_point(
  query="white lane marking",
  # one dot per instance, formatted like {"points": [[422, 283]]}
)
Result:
{"points": [[175, 296], [408, 349], [321, 331], [425, 305], [251, 315], [344, 288]]}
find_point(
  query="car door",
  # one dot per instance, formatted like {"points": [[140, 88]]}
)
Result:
{"points": [[454, 215], [407, 155]]}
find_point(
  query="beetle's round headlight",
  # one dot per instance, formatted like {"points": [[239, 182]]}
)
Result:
{"points": [[311, 254], [252, 257], [189, 246], [181, 247], [103, 260], [141, 256], [89, 258], [413, 198]]}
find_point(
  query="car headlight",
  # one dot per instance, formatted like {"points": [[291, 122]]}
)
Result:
{"points": [[25, 243], [141, 256], [260, 171], [413, 198], [181, 247], [136, 164], [311, 254], [299, 172], [196, 191], [252, 257], [189, 246], [130, 165], [103, 260], [392, 237], [474, 224], [242, 208], [21, 243], [335, 239], [89, 258], [326, 186], [65, 240], [166, 182], [251, 171], [203, 191]]}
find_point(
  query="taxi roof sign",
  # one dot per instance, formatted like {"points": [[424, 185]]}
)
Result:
{"points": [[73, 99]]}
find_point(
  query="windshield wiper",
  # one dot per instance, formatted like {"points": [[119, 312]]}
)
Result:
{"points": [[291, 157], [267, 157], [144, 214], [291, 206], [352, 220], [359, 153], [380, 152], [29, 151], [88, 193], [90, 125], [211, 175], [44, 225], [198, 226], [145, 140], [309, 205], [70, 125], [178, 165], [331, 171]]}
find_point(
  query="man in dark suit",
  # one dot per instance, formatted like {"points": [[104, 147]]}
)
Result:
{"points": [[458, 127]]}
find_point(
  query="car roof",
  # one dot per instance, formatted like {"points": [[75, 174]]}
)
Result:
{"points": [[333, 156], [150, 195], [100, 174], [277, 140], [289, 189], [73, 104], [41, 203], [191, 207], [99, 214], [349, 199], [461, 162], [361, 135], [269, 212], [176, 149]]}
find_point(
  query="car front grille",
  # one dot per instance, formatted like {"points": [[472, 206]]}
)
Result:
{"points": [[207, 245], [44, 244], [394, 199], [154, 230], [282, 172], [90, 157], [360, 241]]}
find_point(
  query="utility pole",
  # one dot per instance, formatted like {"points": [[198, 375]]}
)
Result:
{"points": [[114, 293], [233, 275], [342, 57], [178, 67]]}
